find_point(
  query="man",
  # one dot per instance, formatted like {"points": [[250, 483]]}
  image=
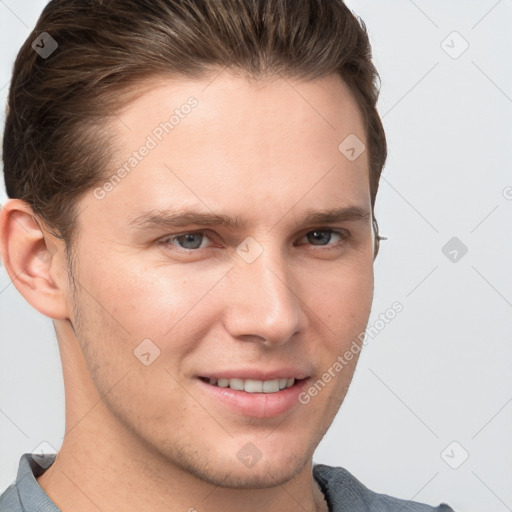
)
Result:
{"points": [[192, 187]]}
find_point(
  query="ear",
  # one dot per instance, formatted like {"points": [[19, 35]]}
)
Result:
{"points": [[376, 238], [34, 259]]}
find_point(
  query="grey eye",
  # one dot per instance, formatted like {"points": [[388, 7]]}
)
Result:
{"points": [[323, 237], [190, 240]]}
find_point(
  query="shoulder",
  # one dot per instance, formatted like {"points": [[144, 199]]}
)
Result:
{"points": [[10, 500], [345, 493], [25, 494]]}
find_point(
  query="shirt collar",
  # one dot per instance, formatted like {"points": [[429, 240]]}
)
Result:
{"points": [[31, 494]]}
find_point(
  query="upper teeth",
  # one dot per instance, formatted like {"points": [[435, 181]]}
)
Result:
{"points": [[254, 386]]}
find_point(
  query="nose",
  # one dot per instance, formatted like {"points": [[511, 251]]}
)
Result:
{"points": [[263, 301]]}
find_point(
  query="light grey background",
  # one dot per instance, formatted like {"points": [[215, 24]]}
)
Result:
{"points": [[440, 371]]}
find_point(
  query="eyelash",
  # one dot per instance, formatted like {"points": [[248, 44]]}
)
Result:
{"points": [[167, 241]]}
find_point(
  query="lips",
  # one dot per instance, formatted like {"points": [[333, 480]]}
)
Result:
{"points": [[253, 385], [255, 393], [257, 374]]}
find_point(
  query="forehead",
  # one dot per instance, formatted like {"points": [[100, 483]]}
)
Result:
{"points": [[229, 102], [224, 142]]}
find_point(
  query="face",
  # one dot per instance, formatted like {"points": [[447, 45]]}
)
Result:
{"points": [[236, 250]]}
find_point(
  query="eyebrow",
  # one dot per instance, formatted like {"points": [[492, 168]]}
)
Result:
{"points": [[184, 218]]}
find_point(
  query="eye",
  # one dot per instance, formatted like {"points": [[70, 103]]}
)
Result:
{"points": [[322, 237], [187, 241], [195, 240]]}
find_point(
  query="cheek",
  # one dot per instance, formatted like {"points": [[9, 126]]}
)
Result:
{"points": [[142, 296], [342, 297]]}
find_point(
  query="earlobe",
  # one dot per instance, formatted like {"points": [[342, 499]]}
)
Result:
{"points": [[35, 263]]}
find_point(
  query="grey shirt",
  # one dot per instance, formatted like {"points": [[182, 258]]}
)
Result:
{"points": [[342, 491]]}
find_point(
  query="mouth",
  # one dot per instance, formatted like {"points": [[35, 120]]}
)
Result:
{"points": [[251, 397], [252, 385]]}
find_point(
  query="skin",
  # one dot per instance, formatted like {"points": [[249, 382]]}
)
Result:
{"points": [[263, 150]]}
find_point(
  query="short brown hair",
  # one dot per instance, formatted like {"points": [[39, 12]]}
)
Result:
{"points": [[56, 143]]}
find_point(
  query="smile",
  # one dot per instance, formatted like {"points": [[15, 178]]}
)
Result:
{"points": [[252, 385], [254, 397]]}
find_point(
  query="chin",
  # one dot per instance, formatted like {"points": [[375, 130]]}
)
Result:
{"points": [[267, 475], [234, 474]]}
